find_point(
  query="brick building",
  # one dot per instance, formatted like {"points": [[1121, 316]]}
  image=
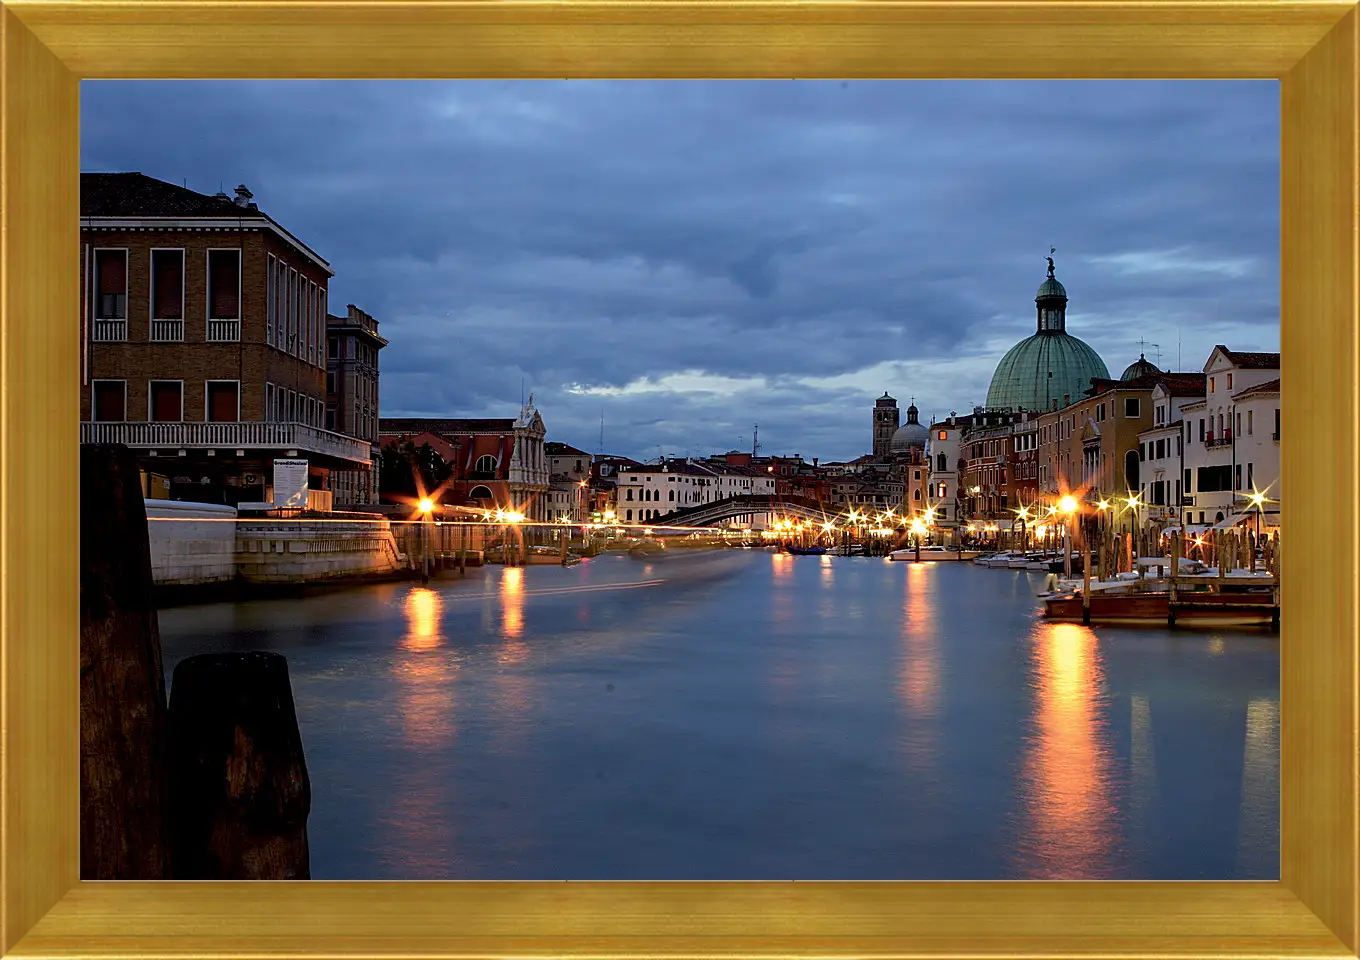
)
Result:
{"points": [[353, 343], [203, 339], [501, 463]]}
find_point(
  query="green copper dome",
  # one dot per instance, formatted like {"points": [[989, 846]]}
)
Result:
{"points": [[1141, 367], [1051, 288], [1050, 366], [1043, 368]]}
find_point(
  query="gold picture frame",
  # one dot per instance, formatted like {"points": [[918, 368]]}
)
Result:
{"points": [[50, 45]]}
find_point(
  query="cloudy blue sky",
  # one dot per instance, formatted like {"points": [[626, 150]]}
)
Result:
{"points": [[686, 259]]}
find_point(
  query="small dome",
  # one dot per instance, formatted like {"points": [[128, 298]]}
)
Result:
{"points": [[1141, 367], [908, 435], [1051, 288]]}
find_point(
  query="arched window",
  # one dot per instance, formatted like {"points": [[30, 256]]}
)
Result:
{"points": [[630, 494], [480, 493], [486, 464], [672, 496], [916, 494], [943, 490], [1131, 469], [629, 517], [940, 462]]}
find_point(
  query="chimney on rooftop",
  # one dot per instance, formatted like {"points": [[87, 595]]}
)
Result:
{"points": [[814, 461], [243, 195]]}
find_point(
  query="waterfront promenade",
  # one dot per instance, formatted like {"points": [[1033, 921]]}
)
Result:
{"points": [[750, 715]]}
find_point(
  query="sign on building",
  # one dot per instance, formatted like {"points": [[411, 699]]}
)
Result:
{"points": [[290, 483]]}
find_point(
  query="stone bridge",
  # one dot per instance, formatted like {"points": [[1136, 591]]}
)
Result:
{"points": [[709, 514]]}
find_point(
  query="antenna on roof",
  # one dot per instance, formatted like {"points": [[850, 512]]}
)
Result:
{"points": [[755, 440], [602, 431]]}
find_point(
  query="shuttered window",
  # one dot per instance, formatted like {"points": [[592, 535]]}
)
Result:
{"points": [[110, 400], [224, 284], [167, 400], [167, 279], [223, 400]]}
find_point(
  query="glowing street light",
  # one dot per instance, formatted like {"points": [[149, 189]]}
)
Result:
{"points": [[1067, 505], [513, 516], [425, 505]]}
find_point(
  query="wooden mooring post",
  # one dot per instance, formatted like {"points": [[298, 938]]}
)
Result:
{"points": [[239, 791], [123, 780]]}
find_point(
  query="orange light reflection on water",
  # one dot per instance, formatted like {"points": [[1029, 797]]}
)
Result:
{"points": [[919, 682], [1068, 763], [425, 673]]}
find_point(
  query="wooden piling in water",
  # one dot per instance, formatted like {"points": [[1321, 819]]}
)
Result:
{"points": [[124, 826], [239, 791]]}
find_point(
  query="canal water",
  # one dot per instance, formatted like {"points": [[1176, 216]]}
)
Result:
{"points": [[749, 715]]}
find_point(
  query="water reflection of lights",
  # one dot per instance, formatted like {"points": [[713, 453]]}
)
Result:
{"points": [[920, 679], [783, 565], [1258, 829], [512, 615], [918, 684], [1067, 766], [425, 674], [423, 613]]}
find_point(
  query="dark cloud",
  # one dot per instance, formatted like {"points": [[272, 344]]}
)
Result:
{"points": [[687, 259]]}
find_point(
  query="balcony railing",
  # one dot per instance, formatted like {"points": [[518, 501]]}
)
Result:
{"points": [[241, 435], [1213, 441], [167, 331], [224, 331], [110, 331]]}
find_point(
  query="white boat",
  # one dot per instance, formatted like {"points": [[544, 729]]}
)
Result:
{"points": [[1038, 561], [982, 558], [933, 554], [999, 560], [1018, 561]]}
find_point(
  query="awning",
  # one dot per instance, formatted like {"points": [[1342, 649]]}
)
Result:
{"points": [[1231, 522]]}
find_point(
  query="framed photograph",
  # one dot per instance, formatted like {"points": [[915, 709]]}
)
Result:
{"points": [[57, 391]]}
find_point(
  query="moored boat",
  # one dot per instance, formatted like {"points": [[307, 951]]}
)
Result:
{"points": [[806, 551], [1247, 608], [933, 554], [999, 560]]}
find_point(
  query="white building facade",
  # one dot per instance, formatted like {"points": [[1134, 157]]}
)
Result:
{"points": [[1230, 444]]}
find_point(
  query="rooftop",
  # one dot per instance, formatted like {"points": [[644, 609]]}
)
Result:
{"points": [[1261, 389], [1252, 361], [409, 426], [130, 196]]}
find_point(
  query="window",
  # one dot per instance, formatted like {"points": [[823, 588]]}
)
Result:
{"points": [[109, 401], [330, 381], [110, 302], [1249, 422], [629, 516], [1230, 381], [1132, 408], [330, 419], [1251, 483], [224, 284], [1211, 384], [943, 435], [1277, 424], [166, 401], [223, 401], [167, 284], [916, 494], [486, 464], [672, 496], [1201, 430], [940, 462], [335, 348], [1237, 477], [1189, 485]]}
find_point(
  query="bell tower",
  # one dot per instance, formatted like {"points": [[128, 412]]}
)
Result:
{"points": [[887, 418]]}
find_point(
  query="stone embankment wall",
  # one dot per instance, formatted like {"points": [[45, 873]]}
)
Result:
{"points": [[194, 544], [191, 542]]}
